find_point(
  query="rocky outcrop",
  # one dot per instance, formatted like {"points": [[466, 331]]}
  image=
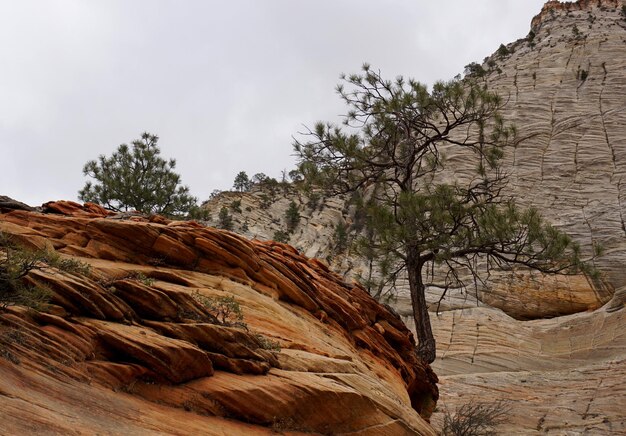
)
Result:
{"points": [[558, 376], [134, 347], [554, 7]]}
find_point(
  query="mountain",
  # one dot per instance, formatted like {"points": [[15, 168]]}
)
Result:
{"points": [[565, 90], [165, 327]]}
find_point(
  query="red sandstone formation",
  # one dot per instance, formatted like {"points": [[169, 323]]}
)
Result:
{"points": [[116, 354]]}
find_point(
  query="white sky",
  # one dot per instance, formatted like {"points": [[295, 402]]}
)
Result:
{"points": [[225, 84]]}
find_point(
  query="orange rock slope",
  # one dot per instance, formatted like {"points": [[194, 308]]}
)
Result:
{"points": [[127, 349]]}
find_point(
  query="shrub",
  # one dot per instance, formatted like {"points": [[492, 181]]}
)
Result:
{"points": [[15, 264], [281, 236], [199, 213], [235, 206], [475, 419], [503, 50], [141, 277], [267, 343], [266, 201], [314, 200], [340, 237], [225, 220], [292, 217], [225, 309], [474, 70]]}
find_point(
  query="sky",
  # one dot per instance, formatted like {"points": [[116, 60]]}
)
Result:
{"points": [[226, 85]]}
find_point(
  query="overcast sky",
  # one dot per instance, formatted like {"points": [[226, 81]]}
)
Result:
{"points": [[225, 84]]}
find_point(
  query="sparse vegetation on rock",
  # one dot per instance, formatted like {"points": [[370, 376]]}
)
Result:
{"points": [[475, 419], [292, 216], [16, 262], [225, 219]]}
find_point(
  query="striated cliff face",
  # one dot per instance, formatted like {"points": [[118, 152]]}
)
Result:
{"points": [[566, 91], [128, 348]]}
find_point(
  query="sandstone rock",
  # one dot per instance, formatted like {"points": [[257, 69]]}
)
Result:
{"points": [[559, 375], [7, 204], [130, 341]]}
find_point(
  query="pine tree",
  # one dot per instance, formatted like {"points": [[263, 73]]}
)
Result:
{"points": [[419, 216], [137, 178]]}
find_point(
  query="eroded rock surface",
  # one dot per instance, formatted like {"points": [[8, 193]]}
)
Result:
{"points": [[128, 349]]}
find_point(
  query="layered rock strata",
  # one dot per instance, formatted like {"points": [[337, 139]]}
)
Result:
{"points": [[128, 348]]}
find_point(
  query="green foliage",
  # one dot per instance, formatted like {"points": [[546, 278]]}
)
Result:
{"points": [[137, 178], [15, 264], [476, 419], [225, 219], [259, 178], [199, 213], [235, 206], [474, 70], [242, 182], [503, 51], [141, 277], [292, 217], [266, 201], [266, 343], [295, 176], [226, 309], [340, 237], [418, 215], [281, 236], [313, 200]]}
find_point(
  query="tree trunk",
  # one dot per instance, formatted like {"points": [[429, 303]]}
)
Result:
{"points": [[426, 342]]}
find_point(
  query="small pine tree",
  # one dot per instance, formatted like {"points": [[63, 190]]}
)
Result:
{"points": [[281, 236], [242, 183], [292, 217], [225, 220], [502, 50], [341, 237], [137, 178]]}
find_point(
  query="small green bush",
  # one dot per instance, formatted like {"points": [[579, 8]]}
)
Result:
{"points": [[17, 261], [235, 206], [225, 309], [225, 220], [281, 236], [340, 237], [503, 50], [292, 217], [141, 277], [267, 343]]}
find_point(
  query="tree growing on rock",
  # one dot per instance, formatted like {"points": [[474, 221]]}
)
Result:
{"points": [[136, 177], [292, 216], [421, 218], [242, 182]]}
